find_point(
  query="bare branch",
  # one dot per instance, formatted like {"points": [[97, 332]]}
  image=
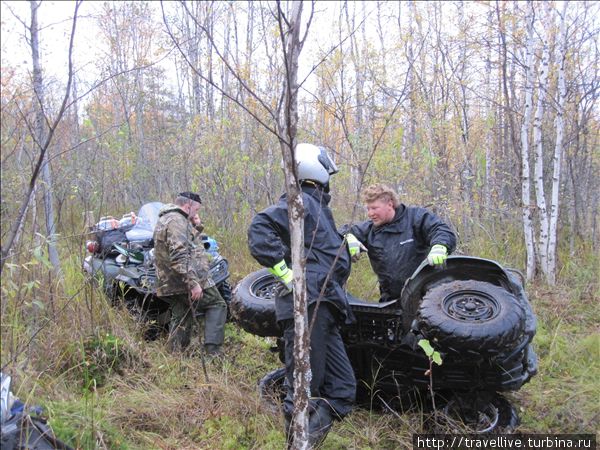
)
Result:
{"points": [[215, 85], [224, 60]]}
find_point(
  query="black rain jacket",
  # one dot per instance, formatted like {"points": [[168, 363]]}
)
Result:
{"points": [[397, 248], [269, 242]]}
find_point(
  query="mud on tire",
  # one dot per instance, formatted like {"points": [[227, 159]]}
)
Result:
{"points": [[472, 315], [253, 304], [473, 413], [271, 388], [224, 289]]}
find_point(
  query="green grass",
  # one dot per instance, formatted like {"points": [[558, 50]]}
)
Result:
{"points": [[565, 394], [102, 386]]}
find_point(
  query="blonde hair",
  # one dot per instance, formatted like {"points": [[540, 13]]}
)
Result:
{"points": [[380, 192]]}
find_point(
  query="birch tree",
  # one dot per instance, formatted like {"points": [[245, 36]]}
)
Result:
{"points": [[287, 125], [561, 56], [40, 134], [42, 141], [538, 142], [283, 123], [525, 180]]}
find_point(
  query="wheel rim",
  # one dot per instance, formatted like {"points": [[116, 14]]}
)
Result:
{"points": [[265, 288], [471, 306]]}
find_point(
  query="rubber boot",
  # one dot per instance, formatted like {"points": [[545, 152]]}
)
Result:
{"points": [[214, 326], [213, 349], [319, 424]]}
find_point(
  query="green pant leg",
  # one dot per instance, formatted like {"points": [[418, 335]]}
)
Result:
{"points": [[211, 298], [182, 322]]}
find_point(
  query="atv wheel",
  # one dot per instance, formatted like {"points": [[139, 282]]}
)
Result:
{"points": [[271, 389], [225, 291], [110, 290], [253, 304], [481, 416], [471, 315], [114, 292]]}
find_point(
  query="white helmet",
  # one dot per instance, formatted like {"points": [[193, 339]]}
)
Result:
{"points": [[314, 163]]}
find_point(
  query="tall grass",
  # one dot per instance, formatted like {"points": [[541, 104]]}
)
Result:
{"points": [[103, 386]]}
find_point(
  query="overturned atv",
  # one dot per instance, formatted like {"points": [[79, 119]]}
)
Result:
{"points": [[474, 313]]}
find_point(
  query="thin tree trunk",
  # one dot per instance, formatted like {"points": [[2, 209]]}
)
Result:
{"points": [[525, 181], [224, 108], [487, 184], [508, 77], [409, 134], [288, 122], [468, 206], [539, 155], [558, 149], [210, 108], [245, 139], [194, 51], [359, 143], [41, 132]]}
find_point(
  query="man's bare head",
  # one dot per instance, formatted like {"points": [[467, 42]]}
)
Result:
{"points": [[381, 202]]}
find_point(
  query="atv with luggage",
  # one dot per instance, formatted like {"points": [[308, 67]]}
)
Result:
{"points": [[474, 312], [121, 257]]}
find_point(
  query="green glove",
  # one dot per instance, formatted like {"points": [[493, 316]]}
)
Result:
{"points": [[438, 255], [355, 247], [284, 273]]}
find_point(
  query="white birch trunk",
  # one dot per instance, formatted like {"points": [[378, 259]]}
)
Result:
{"points": [[558, 149], [41, 133], [408, 135], [539, 154], [288, 122], [525, 181], [489, 114]]}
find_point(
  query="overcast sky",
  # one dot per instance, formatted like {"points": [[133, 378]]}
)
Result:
{"points": [[55, 21]]}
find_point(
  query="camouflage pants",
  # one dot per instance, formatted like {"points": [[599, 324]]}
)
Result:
{"points": [[184, 312]]}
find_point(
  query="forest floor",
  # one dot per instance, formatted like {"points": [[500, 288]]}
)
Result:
{"points": [[103, 386]]}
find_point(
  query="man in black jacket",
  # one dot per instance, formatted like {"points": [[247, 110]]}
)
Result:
{"points": [[398, 238], [333, 385]]}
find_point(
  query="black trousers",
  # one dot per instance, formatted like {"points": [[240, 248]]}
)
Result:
{"points": [[333, 384]]}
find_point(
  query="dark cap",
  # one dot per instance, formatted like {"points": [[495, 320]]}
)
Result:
{"points": [[191, 195]]}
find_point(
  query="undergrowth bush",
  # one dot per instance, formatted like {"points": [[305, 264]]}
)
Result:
{"points": [[102, 354]]}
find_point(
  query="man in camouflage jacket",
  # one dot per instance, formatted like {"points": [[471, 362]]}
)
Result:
{"points": [[183, 278]]}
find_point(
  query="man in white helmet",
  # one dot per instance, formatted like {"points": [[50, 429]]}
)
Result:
{"points": [[333, 385]]}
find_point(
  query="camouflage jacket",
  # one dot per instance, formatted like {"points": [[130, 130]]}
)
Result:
{"points": [[181, 262]]}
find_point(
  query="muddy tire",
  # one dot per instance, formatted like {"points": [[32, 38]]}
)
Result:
{"points": [[253, 304], [109, 287], [113, 290], [470, 414], [471, 315], [271, 390], [225, 291]]}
